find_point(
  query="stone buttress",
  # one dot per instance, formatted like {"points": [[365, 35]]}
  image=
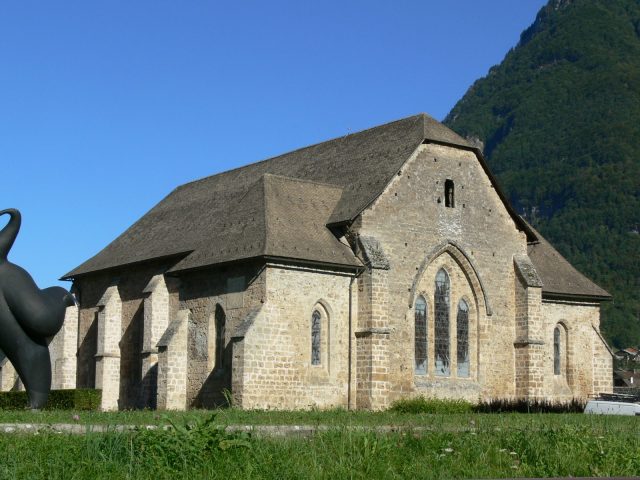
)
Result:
{"points": [[529, 344], [372, 333]]}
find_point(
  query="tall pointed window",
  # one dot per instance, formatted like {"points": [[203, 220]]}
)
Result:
{"points": [[462, 335], [441, 330], [221, 325], [557, 349], [316, 323], [421, 336]]}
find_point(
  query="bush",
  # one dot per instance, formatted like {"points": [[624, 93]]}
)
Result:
{"points": [[13, 400], [431, 405], [530, 406], [75, 399]]}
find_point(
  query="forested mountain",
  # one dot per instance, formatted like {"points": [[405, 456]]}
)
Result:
{"points": [[560, 122]]}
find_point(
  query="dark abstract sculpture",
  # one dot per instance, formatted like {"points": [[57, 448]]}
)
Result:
{"points": [[29, 318]]}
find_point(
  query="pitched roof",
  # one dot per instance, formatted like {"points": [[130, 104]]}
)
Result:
{"points": [[559, 277], [288, 221], [234, 214], [252, 211]]}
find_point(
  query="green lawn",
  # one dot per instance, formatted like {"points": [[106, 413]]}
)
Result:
{"points": [[454, 446]]}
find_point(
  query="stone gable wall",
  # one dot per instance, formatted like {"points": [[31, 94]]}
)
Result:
{"points": [[409, 219], [511, 328]]}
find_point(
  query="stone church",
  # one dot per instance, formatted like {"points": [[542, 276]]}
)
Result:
{"points": [[379, 265]]}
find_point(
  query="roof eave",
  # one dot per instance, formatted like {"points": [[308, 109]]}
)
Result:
{"points": [[71, 276], [269, 258], [576, 297], [315, 263]]}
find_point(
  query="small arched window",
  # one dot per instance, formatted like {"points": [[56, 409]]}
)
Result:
{"points": [[316, 326], [462, 335], [421, 336], [557, 351], [221, 325], [441, 324], [449, 194]]}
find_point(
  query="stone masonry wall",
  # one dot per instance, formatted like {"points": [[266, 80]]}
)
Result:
{"points": [[9, 379], [235, 291], [172, 364], [130, 284], [530, 334], [410, 220], [277, 371], [372, 340], [157, 316], [62, 350], [586, 366]]}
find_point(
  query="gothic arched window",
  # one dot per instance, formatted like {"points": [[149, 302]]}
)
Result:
{"points": [[221, 325], [316, 325], [441, 324], [462, 335], [557, 351], [421, 336]]}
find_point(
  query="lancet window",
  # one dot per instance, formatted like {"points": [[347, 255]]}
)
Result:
{"points": [[462, 337], [221, 325], [421, 336], [557, 349], [441, 324], [316, 331]]}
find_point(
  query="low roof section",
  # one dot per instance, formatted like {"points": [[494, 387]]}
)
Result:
{"points": [[229, 216], [560, 279]]}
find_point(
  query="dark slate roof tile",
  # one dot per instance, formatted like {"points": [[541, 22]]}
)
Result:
{"points": [[559, 277], [200, 218]]}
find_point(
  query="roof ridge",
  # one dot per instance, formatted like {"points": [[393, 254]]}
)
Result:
{"points": [[423, 115], [348, 170]]}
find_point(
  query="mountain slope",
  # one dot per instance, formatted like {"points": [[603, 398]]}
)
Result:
{"points": [[560, 122]]}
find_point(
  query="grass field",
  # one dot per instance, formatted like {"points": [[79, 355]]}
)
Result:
{"points": [[455, 446]]}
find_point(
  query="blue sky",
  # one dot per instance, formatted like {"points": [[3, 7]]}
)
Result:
{"points": [[105, 107]]}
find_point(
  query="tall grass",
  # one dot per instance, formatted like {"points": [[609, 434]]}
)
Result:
{"points": [[203, 450]]}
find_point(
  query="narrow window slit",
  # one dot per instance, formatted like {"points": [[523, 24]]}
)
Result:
{"points": [[449, 194]]}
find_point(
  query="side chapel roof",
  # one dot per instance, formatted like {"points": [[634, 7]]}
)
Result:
{"points": [[559, 277]]}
